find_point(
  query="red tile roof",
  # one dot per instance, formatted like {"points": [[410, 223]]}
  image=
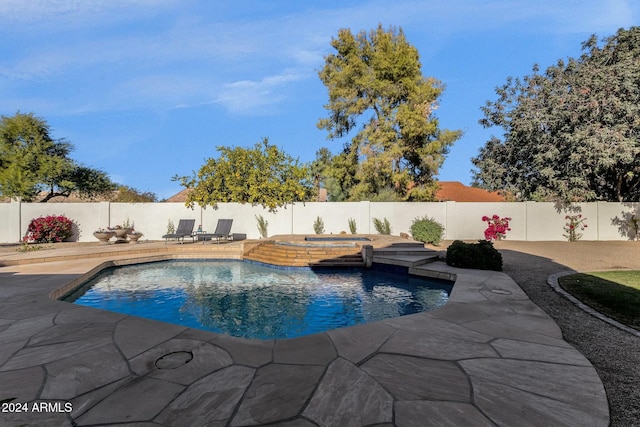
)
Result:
{"points": [[180, 197], [455, 191]]}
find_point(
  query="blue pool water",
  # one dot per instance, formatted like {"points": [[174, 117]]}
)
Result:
{"points": [[255, 301]]}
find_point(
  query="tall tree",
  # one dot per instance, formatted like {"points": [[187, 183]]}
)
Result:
{"points": [[376, 80], [335, 173], [261, 175], [31, 161], [571, 133], [319, 167]]}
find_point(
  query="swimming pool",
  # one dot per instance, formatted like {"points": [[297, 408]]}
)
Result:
{"points": [[255, 301]]}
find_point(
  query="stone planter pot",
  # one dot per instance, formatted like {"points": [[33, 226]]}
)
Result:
{"points": [[133, 238], [121, 234], [104, 236]]}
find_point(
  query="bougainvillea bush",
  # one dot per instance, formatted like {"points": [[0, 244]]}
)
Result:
{"points": [[496, 227], [49, 229]]}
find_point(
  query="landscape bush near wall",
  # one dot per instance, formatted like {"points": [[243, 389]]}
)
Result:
{"points": [[462, 221]]}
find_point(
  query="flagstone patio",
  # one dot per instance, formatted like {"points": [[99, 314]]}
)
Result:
{"points": [[488, 357]]}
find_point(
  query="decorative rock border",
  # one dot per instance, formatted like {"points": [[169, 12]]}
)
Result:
{"points": [[553, 281]]}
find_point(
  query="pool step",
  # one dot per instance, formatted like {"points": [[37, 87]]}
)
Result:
{"points": [[409, 254], [302, 255], [403, 251], [410, 261]]}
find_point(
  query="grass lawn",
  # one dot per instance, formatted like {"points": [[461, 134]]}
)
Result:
{"points": [[614, 293]]}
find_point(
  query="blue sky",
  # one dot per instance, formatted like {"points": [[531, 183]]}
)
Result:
{"points": [[146, 89]]}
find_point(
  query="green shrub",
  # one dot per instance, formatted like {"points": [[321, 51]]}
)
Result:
{"points": [[481, 255], [352, 226], [427, 230], [382, 227], [318, 225], [262, 226]]}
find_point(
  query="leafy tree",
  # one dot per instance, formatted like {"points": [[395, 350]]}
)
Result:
{"points": [[86, 182], [571, 133], [261, 175], [375, 79], [31, 162], [125, 194]]}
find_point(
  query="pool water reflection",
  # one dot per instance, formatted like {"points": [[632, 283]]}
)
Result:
{"points": [[255, 301]]}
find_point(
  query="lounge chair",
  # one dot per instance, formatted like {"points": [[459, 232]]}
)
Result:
{"points": [[223, 231], [185, 229]]}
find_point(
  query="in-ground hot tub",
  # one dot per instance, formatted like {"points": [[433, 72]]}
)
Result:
{"points": [[340, 238]]}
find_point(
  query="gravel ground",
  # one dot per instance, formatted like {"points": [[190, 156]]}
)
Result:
{"points": [[614, 353]]}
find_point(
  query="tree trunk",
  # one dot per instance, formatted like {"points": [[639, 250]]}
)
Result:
{"points": [[619, 188]]}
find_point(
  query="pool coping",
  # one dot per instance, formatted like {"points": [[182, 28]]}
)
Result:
{"points": [[489, 356]]}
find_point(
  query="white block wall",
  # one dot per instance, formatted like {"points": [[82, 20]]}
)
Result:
{"points": [[530, 220]]}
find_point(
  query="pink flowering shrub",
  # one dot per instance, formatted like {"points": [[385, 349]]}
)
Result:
{"points": [[496, 227], [49, 229], [575, 224]]}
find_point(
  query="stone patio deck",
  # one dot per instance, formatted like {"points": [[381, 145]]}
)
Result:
{"points": [[489, 357]]}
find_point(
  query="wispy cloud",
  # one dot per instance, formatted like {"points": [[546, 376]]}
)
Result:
{"points": [[173, 56], [135, 76], [77, 12], [248, 96]]}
